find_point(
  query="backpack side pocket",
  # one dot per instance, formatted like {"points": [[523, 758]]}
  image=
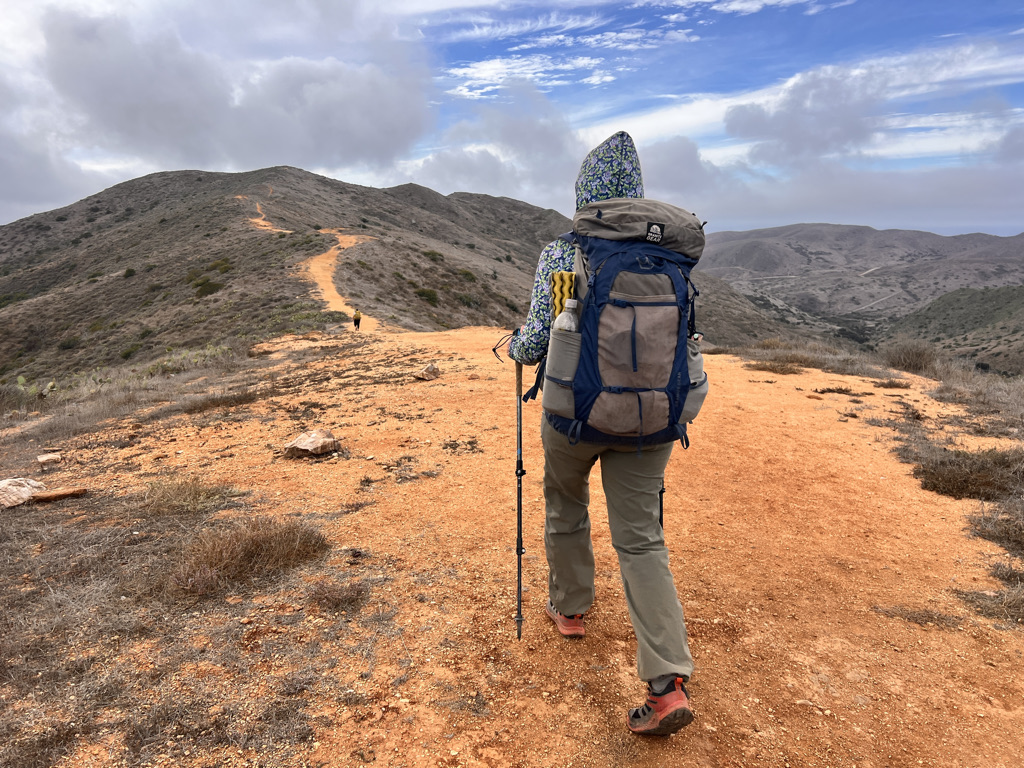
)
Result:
{"points": [[563, 359]]}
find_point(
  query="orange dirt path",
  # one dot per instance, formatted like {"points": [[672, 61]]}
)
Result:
{"points": [[789, 522], [320, 269]]}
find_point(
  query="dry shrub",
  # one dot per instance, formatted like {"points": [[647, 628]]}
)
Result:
{"points": [[250, 548], [774, 366], [188, 496], [1002, 524], [922, 616], [893, 384], [1007, 605], [988, 475], [910, 355], [332, 595]]}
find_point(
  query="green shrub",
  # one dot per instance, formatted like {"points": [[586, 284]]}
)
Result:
{"points": [[70, 342], [207, 288], [434, 256], [429, 295], [129, 272]]}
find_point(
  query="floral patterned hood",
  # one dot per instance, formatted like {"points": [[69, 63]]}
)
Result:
{"points": [[612, 169]]}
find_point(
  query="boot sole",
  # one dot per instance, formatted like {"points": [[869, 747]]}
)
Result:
{"points": [[674, 721]]}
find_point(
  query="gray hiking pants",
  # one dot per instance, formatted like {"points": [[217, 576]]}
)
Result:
{"points": [[631, 484]]}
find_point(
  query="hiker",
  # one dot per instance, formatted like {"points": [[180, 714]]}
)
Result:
{"points": [[632, 480], [356, 318]]}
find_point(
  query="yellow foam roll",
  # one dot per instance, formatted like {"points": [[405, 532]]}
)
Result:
{"points": [[563, 285]]}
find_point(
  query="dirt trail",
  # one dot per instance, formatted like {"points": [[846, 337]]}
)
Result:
{"points": [[792, 528], [320, 269], [260, 222]]}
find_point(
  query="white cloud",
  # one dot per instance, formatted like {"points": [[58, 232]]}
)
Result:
{"points": [[486, 29], [484, 78]]}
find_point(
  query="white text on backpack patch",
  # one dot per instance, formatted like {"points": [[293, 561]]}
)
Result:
{"points": [[654, 232]]}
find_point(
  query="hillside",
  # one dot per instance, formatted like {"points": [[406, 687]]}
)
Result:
{"points": [[858, 277], [985, 325], [181, 260], [822, 586]]}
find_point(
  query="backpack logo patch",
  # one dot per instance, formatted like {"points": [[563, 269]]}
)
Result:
{"points": [[654, 232]]}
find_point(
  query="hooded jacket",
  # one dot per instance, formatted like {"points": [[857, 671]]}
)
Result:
{"points": [[612, 169]]}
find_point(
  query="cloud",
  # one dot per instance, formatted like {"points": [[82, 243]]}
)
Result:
{"points": [[157, 97], [523, 148], [486, 29], [484, 78], [820, 113], [634, 39], [1010, 148]]}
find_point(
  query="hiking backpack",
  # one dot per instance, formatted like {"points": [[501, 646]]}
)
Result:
{"points": [[633, 374]]}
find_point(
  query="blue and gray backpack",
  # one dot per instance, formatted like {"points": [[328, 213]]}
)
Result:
{"points": [[633, 373]]}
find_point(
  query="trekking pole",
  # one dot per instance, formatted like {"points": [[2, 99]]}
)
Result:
{"points": [[519, 500], [661, 505]]}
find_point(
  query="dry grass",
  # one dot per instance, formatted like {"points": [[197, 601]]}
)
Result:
{"points": [[331, 595], [923, 616], [892, 384], [911, 355], [183, 496], [1002, 524], [247, 549], [78, 590], [784, 356], [988, 475]]}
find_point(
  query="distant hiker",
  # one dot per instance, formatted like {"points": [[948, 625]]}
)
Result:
{"points": [[632, 470], [356, 318]]}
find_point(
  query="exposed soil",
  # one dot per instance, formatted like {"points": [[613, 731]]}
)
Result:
{"points": [[803, 550]]}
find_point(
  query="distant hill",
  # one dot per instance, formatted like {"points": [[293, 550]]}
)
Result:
{"points": [[986, 325], [859, 277], [178, 260]]}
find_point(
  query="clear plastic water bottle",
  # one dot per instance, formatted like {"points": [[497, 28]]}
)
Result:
{"points": [[567, 320]]}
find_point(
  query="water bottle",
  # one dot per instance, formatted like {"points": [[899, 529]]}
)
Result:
{"points": [[566, 320]]}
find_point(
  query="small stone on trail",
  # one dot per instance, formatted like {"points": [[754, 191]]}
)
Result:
{"points": [[315, 443], [48, 459], [429, 373]]}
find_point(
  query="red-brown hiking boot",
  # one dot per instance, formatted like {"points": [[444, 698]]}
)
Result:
{"points": [[569, 626], [664, 713]]}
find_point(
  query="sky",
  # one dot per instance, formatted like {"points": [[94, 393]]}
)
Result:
{"points": [[903, 114]]}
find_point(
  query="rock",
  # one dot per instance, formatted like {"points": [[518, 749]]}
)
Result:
{"points": [[315, 443], [59, 493], [429, 373], [47, 460], [18, 490]]}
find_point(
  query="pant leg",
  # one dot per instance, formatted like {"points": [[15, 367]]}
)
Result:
{"points": [[567, 543], [631, 483]]}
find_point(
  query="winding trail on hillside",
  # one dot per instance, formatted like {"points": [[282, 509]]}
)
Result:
{"points": [[320, 269]]}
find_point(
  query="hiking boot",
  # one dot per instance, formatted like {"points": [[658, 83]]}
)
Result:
{"points": [[663, 713], [569, 626]]}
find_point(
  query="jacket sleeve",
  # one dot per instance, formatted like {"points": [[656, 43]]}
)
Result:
{"points": [[532, 342]]}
